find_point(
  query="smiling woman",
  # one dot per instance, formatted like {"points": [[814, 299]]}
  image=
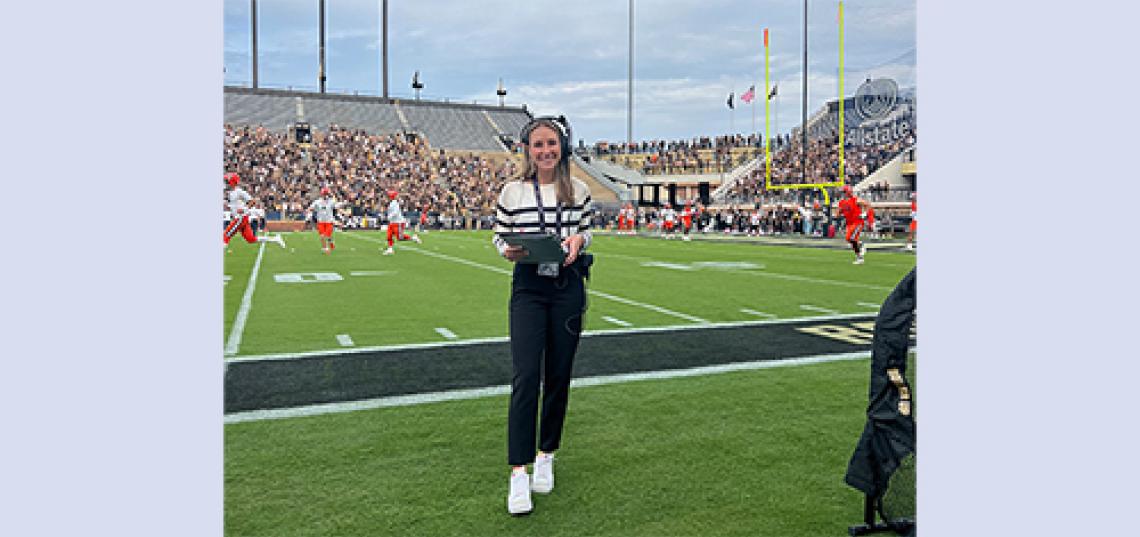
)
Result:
{"points": [[547, 301]]}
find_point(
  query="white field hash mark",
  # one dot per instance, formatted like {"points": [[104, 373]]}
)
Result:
{"points": [[809, 307], [757, 313], [591, 291], [344, 340], [446, 333], [867, 305], [618, 322], [238, 328]]}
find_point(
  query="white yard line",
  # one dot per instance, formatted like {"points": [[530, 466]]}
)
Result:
{"points": [[757, 313], [238, 328], [345, 340], [826, 311], [595, 292], [618, 322], [371, 272], [504, 339], [768, 274], [867, 305], [658, 309], [446, 333], [456, 395]]}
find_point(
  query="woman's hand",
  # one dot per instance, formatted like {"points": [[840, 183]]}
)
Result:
{"points": [[572, 245], [515, 253]]}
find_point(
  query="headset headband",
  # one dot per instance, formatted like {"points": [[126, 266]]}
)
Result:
{"points": [[560, 124]]}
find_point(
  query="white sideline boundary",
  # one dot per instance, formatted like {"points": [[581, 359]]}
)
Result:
{"points": [[476, 393], [615, 298], [504, 339], [234, 342]]}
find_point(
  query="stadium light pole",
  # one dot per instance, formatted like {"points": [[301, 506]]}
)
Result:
{"points": [[384, 45], [253, 36], [629, 110], [321, 70], [803, 107]]}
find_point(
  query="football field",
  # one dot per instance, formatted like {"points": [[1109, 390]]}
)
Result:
{"points": [[455, 286], [719, 390]]}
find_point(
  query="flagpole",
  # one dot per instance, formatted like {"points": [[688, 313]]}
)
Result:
{"points": [[753, 103]]}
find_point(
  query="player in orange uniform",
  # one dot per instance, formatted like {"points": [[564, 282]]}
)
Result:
{"points": [[913, 221], [854, 212], [687, 220]]}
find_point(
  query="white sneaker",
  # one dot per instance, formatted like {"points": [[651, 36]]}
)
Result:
{"points": [[862, 250], [909, 246], [518, 501], [543, 480], [858, 261], [388, 252], [417, 239]]}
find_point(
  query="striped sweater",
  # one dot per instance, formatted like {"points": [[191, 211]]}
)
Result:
{"points": [[517, 211]]}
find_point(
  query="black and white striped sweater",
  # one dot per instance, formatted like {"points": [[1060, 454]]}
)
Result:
{"points": [[517, 211]]}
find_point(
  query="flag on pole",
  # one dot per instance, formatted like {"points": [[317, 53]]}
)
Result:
{"points": [[748, 95], [730, 101], [773, 92]]}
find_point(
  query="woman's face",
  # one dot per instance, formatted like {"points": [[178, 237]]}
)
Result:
{"points": [[544, 148]]}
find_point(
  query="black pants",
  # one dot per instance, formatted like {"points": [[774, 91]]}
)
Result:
{"points": [[546, 321]]}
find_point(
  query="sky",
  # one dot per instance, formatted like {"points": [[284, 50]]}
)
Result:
{"points": [[573, 58]]}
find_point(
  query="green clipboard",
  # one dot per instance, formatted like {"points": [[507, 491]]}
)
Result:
{"points": [[541, 247]]}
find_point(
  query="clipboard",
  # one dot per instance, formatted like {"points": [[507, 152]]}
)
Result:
{"points": [[541, 247]]}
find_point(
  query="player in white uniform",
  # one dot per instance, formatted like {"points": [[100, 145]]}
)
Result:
{"points": [[238, 199], [668, 218], [257, 220], [395, 223], [325, 208]]}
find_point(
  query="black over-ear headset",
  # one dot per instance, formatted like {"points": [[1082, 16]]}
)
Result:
{"points": [[561, 126]]}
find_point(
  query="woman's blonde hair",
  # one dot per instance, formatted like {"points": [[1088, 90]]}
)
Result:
{"points": [[562, 181]]}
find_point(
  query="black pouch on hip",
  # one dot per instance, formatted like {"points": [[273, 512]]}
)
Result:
{"points": [[582, 264]]}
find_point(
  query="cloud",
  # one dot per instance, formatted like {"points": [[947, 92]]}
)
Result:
{"points": [[572, 58]]}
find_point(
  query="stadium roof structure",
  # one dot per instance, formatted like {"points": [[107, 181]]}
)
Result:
{"points": [[446, 125]]}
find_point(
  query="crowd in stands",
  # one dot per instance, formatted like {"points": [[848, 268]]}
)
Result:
{"points": [[459, 190], [360, 169], [687, 156], [822, 161]]}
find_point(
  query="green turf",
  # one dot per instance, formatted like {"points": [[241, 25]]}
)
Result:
{"points": [[745, 453], [419, 292]]}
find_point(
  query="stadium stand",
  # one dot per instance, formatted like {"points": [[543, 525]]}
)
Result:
{"points": [[446, 125]]}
